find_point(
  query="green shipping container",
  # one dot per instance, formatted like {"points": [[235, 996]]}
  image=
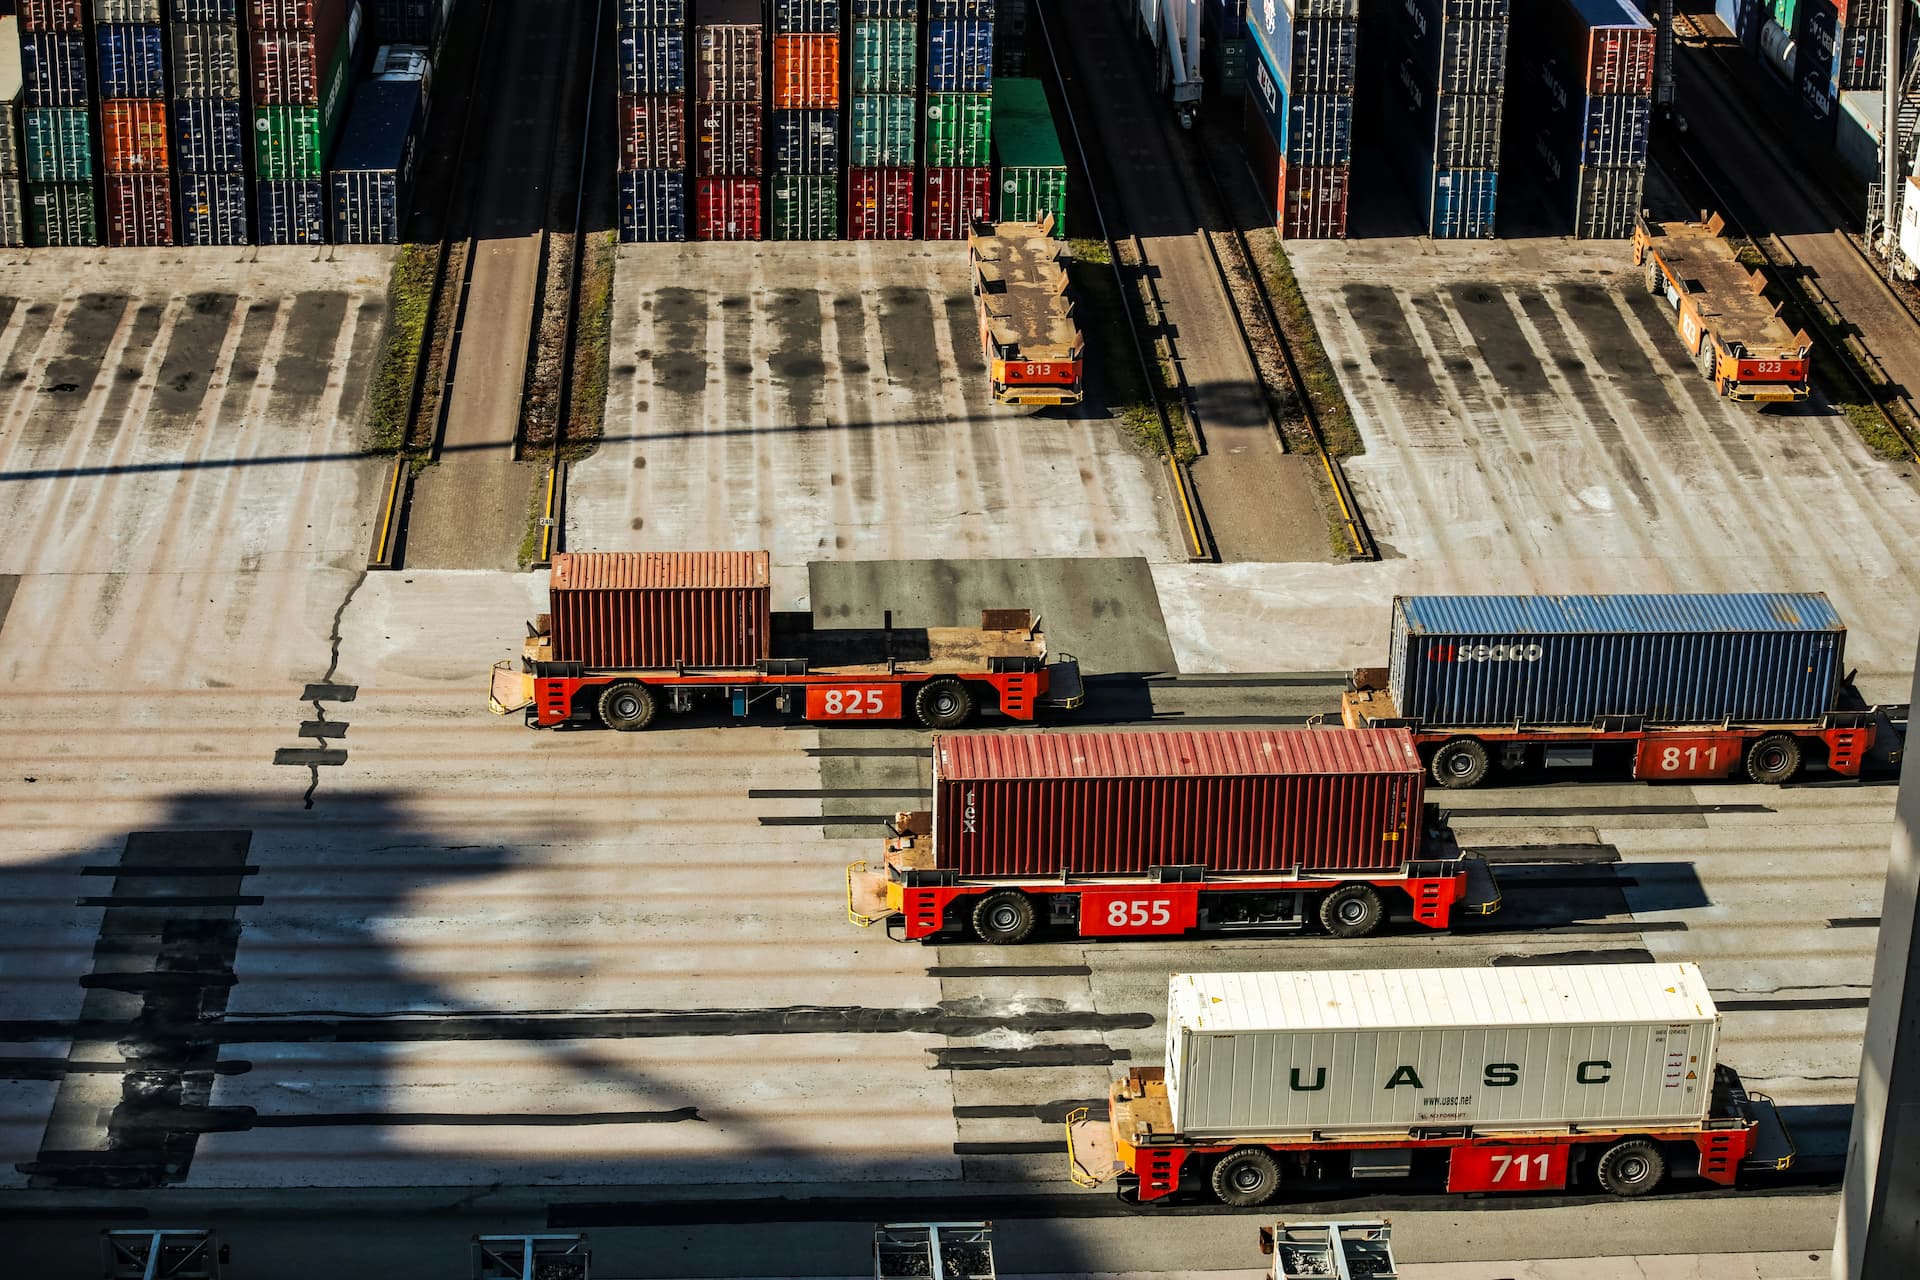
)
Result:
{"points": [[62, 214], [886, 55], [806, 206], [1026, 146], [59, 145], [296, 142], [959, 130], [882, 131]]}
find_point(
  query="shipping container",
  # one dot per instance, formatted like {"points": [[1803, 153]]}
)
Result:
{"points": [[132, 61], [1340, 1054], [203, 11], [213, 209], [206, 61], [138, 210], [959, 130], [1026, 148], [653, 62], [147, 11], [13, 212], [1460, 203], [806, 71], [133, 139], [880, 204], [68, 16], [885, 57], [806, 142], [53, 73], [881, 131], [651, 13], [653, 206], [812, 17], [372, 173], [59, 144], [62, 214], [653, 132], [959, 56], [210, 136], [301, 68], [12, 102], [956, 199], [1312, 45], [727, 139], [292, 211], [660, 609], [729, 59], [806, 206]]}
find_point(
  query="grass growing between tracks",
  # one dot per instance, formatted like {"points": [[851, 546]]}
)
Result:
{"points": [[1098, 302], [409, 291], [593, 340]]}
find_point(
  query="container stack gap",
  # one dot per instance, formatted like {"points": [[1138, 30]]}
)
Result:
{"points": [[303, 61], [805, 177], [730, 55], [651, 111], [56, 126], [210, 120], [1298, 113]]}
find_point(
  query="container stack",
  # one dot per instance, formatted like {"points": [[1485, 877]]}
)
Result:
{"points": [[651, 108], [303, 54], [1026, 149], [1446, 83], [1583, 105], [13, 195], [56, 127], [806, 120], [370, 182], [730, 49], [209, 121], [1298, 117], [884, 75], [959, 117], [134, 151]]}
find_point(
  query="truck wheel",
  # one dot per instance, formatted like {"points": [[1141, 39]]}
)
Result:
{"points": [[1004, 917], [1774, 758], [943, 704], [1460, 763], [1351, 911], [627, 707], [1632, 1168], [1246, 1177]]}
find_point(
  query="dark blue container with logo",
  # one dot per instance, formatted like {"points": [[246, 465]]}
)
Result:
{"points": [[132, 61], [653, 206], [209, 135], [213, 208]]}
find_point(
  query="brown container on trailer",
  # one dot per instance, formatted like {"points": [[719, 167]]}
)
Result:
{"points": [[1120, 804], [660, 609], [133, 135]]}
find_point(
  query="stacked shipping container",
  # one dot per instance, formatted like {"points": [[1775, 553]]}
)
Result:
{"points": [[730, 119], [56, 124], [1298, 114], [651, 107], [884, 74], [959, 117], [806, 120], [209, 120], [1026, 147], [1446, 88], [303, 52], [13, 196]]}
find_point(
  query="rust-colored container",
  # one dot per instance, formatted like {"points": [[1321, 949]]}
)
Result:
{"points": [[1120, 804], [727, 139], [653, 132], [139, 210], [133, 135], [53, 15], [806, 71], [728, 63], [659, 609]]}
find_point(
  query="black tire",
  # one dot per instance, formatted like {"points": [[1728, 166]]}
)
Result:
{"points": [[1004, 917], [628, 707], [945, 703], [1246, 1177], [1352, 911], [1774, 758], [1460, 763], [1631, 1168]]}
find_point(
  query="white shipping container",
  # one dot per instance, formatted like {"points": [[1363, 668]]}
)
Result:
{"points": [[1272, 1055]]}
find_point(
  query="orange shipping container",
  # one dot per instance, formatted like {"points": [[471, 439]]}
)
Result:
{"points": [[133, 135], [806, 71]]}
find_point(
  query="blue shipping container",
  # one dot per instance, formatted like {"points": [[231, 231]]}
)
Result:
{"points": [[653, 206], [204, 11], [806, 141], [53, 68], [651, 13], [370, 181], [806, 17], [1460, 203], [959, 56], [209, 136], [653, 62], [1321, 54], [1484, 661], [132, 61], [292, 211], [213, 208]]}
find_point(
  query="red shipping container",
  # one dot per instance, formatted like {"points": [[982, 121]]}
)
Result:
{"points": [[288, 66], [728, 63], [287, 15], [653, 132], [133, 135], [1120, 804], [654, 609], [53, 15], [727, 209], [139, 210], [955, 198], [806, 71], [880, 204], [727, 139], [1309, 203]]}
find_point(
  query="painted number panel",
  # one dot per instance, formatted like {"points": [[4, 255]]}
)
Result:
{"points": [[1705, 756], [853, 702], [1111, 912], [1507, 1169]]}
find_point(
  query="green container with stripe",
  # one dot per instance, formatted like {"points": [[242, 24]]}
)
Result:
{"points": [[806, 206], [886, 55], [62, 215], [1032, 181], [295, 142], [59, 144], [881, 133], [959, 130]]}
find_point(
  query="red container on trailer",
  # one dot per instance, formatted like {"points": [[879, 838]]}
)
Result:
{"points": [[653, 132], [806, 71], [53, 15], [727, 139], [133, 135], [727, 209], [727, 63], [139, 210], [880, 204], [955, 197], [288, 66], [1121, 804], [654, 609]]}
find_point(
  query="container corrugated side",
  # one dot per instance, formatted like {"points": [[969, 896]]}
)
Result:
{"points": [[13, 212], [959, 130], [959, 56], [727, 139], [885, 56], [1771, 658], [59, 144], [213, 209], [210, 136], [806, 71], [881, 131], [62, 214], [132, 60], [806, 206], [805, 142], [956, 198], [729, 59], [653, 206], [1329, 1055], [1119, 804], [206, 60], [139, 210], [652, 62], [649, 610], [133, 137]]}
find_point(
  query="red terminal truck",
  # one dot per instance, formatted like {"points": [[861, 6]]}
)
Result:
{"points": [[1143, 834], [1721, 311], [1688, 687], [631, 634], [1497, 1080], [1032, 344]]}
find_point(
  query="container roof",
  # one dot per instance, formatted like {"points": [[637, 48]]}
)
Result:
{"points": [[1623, 615], [656, 570], [1407, 998], [1180, 754]]}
